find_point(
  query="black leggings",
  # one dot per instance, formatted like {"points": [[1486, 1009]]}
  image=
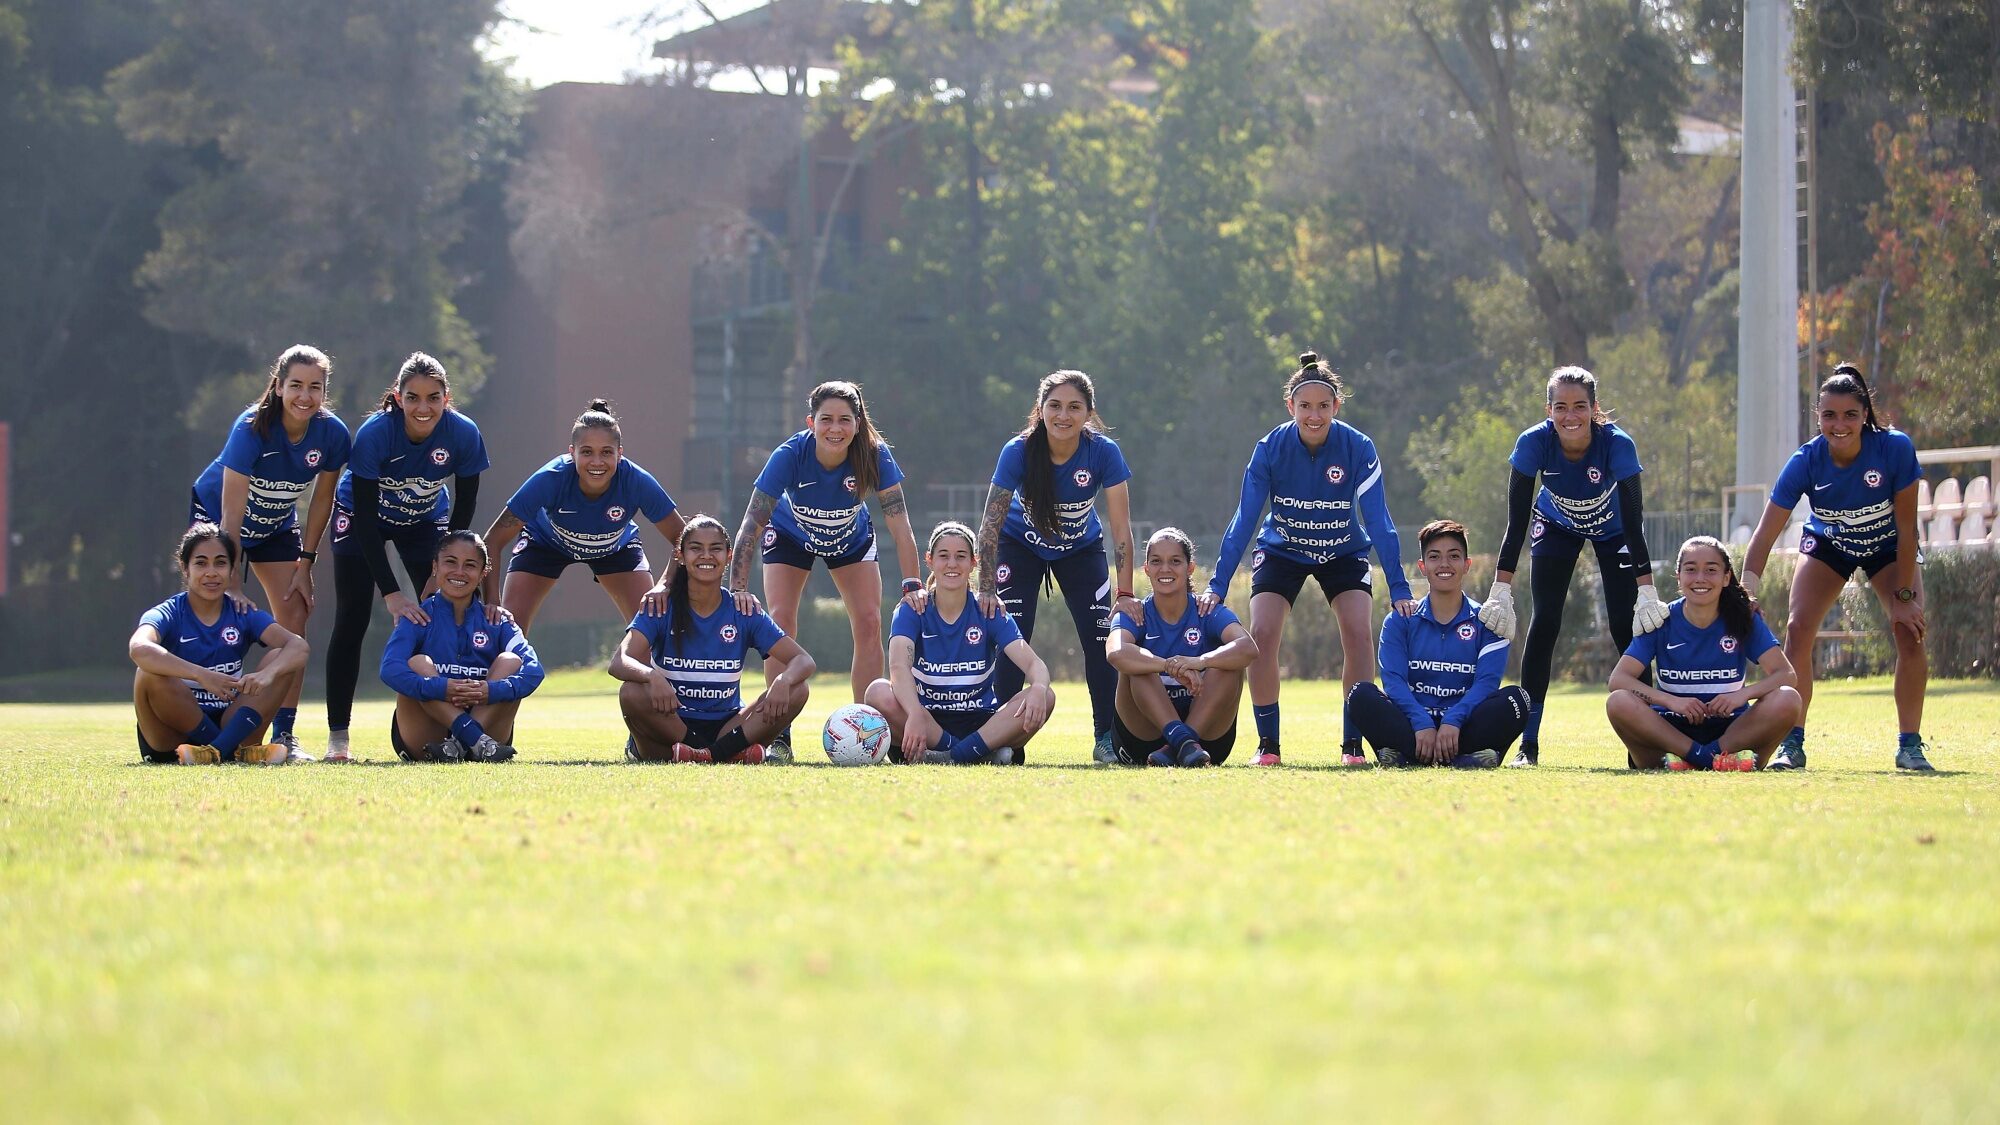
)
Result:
{"points": [[1548, 580], [1493, 725], [354, 599], [1085, 578]]}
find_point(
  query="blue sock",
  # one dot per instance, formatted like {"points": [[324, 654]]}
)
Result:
{"points": [[203, 735], [466, 731], [1532, 736], [1701, 755], [1178, 735], [281, 723], [1799, 735], [970, 749], [1267, 722], [238, 728], [1908, 740]]}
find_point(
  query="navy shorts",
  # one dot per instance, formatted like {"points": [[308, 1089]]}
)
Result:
{"points": [[287, 544], [1270, 571], [150, 753], [958, 724], [1547, 539], [412, 541], [782, 548], [531, 557], [1133, 750], [1842, 563], [1707, 730]]}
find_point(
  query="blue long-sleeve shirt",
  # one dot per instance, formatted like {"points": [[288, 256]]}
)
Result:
{"points": [[1325, 504], [461, 652], [1438, 671]]}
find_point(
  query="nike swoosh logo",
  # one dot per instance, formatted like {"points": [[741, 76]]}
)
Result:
{"points": [[932, 636], [261, 456], [1152, 636], [803, 484], [1817, 487], [1551, 472], [1670, 648], [393, 460], [565, 511], [189, 640]]}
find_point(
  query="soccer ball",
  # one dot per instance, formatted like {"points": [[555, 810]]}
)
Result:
{"points": [[856, 735]]}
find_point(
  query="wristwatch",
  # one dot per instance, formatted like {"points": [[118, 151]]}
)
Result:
{"points": [[1906, 595], [912, 585]]}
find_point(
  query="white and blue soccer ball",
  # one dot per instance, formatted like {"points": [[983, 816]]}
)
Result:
{"points": [[856, 735]]}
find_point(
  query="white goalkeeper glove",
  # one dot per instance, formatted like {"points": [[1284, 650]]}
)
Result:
{"points": [[1498, 611], [1650, 613]]}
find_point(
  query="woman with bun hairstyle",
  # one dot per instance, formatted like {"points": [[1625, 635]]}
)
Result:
{"points": [[1041, 523], [1861, 478], [287, 441], [1323, 482], [582, 507], [1589, 493], [393, 492], [1180, 667]]}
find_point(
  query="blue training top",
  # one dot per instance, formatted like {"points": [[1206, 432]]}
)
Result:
{"points": [[280, 471], [1438, 671], [560, 517], [1191, 635], [460, 651], [1096, 465], [706, 667], [1853, 508], [1315, 496], [412, 474], [1699, 662], [219, 647], [956, 660], [820, 507], [1578, 496]]}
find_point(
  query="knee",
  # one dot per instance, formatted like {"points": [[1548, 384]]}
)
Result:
{"points": [[1620, 704], [868, 629], [504, 665], [423, 665], [881, 695], [1788, 703], [1365, 689]]}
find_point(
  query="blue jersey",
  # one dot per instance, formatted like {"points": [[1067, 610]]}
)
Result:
{"points": [[218, 647], [461, 650], [1578, 496], [1191, 635], [956, 660], [412, 474], [1438, 671], [560, 517], [280, 471], [1699, 662], [1325, 504], [820, 507], [1853, 508], [1096, 465], [706, 667]]}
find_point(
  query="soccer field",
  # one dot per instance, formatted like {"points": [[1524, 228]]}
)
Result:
{"points": [[568, 937]]}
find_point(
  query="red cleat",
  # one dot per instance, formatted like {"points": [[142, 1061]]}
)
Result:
{"points": [[685, 753], [1268, 758]]}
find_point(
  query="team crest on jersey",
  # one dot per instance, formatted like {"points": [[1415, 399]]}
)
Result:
{"points": [[1537, 529], [231, 634], [1335, 474], [974, 635], [1728, 644], [340, 524], [520, 544], [1081, 477], [615, 512], [479, 638], [727, 632], [1595, 474], [312, 458], [770, 537], [440, 456], [1003, 573], [1257, 558], [848, 482], [1191, 635], [1807, 544], [1466, 631], [1872, 478]]}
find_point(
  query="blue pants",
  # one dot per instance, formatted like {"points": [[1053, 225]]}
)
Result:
{"points": [[1085, 578]]}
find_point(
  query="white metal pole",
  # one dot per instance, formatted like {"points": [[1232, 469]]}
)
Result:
{"points": [[1769, 402]]}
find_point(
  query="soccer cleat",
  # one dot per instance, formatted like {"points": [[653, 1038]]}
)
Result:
{"points": [[1009, 756], [1163, 757], [685, 753], [1267, 753], [1351, 754], [1389, 757], [1678, 764], [447, 749], [1912, 758], [264, 754], [1194, 757], [631, 748], [1105, 751], [1530, 756], [1790, 755], [1738, 761], [938, 758], [778, 753], [192, 755], [336, 748], [490, 749], [753, 755], [293, 751], [1477, 760]]}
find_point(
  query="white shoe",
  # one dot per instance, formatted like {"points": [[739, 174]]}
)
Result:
{"points": [[336, 747], [293, 751]]}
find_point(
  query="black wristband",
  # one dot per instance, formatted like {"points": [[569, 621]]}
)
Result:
{"points": [[309, 556]]}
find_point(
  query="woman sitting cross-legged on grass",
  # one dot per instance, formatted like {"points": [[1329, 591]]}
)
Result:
{"points": [[683, 668], [195, 704], [939, 696], [460, 677], [1180, 671], [1440, 703], [1702, 715]]}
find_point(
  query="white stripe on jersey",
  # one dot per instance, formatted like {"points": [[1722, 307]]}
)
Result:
{"points": [[930, 680], [676, 675], [1704, 688], [1489, 648]]}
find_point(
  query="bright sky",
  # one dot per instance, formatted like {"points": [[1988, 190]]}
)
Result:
{"points": [[590, 40]]}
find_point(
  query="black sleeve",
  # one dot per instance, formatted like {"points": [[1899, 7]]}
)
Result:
{"points": [[464, 498], [1520, 507], [1632, 513], [368, 529]]}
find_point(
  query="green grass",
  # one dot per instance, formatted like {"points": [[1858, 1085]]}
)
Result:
{"points": [[571, 938]]}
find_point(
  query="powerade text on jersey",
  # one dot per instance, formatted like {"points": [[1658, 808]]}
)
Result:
{"points": [[558, 516], [461, 650], [819, 507], [280, 471], [1193, 634], [1853, 508], [1699, 662], [1096, 465], [218, 647], [706, 667], [1322, 504], [1436, 671], [1578, 496], [413, 473], [955, 660]]}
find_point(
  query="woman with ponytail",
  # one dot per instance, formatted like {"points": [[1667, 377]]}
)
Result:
{"points": [[582, 508], [393, 493], [1699, 713], [1041, 523], [1323, 482], [1861, 478], [810, 503]]}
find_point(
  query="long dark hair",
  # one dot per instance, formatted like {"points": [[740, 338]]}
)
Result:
{"points": [[1577, 376], [417, 364], [1038, 479], [1734, 604], [1312, 369], [861, 451], [678, 604], [272, 403], [1846, 380]]}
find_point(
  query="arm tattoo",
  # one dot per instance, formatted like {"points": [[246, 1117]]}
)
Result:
{"points": [[997, 501], [762, 504], [1120, 552], [892, 502]]}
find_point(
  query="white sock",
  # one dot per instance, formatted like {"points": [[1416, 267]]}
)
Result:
{"points": [[336, 740]]}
